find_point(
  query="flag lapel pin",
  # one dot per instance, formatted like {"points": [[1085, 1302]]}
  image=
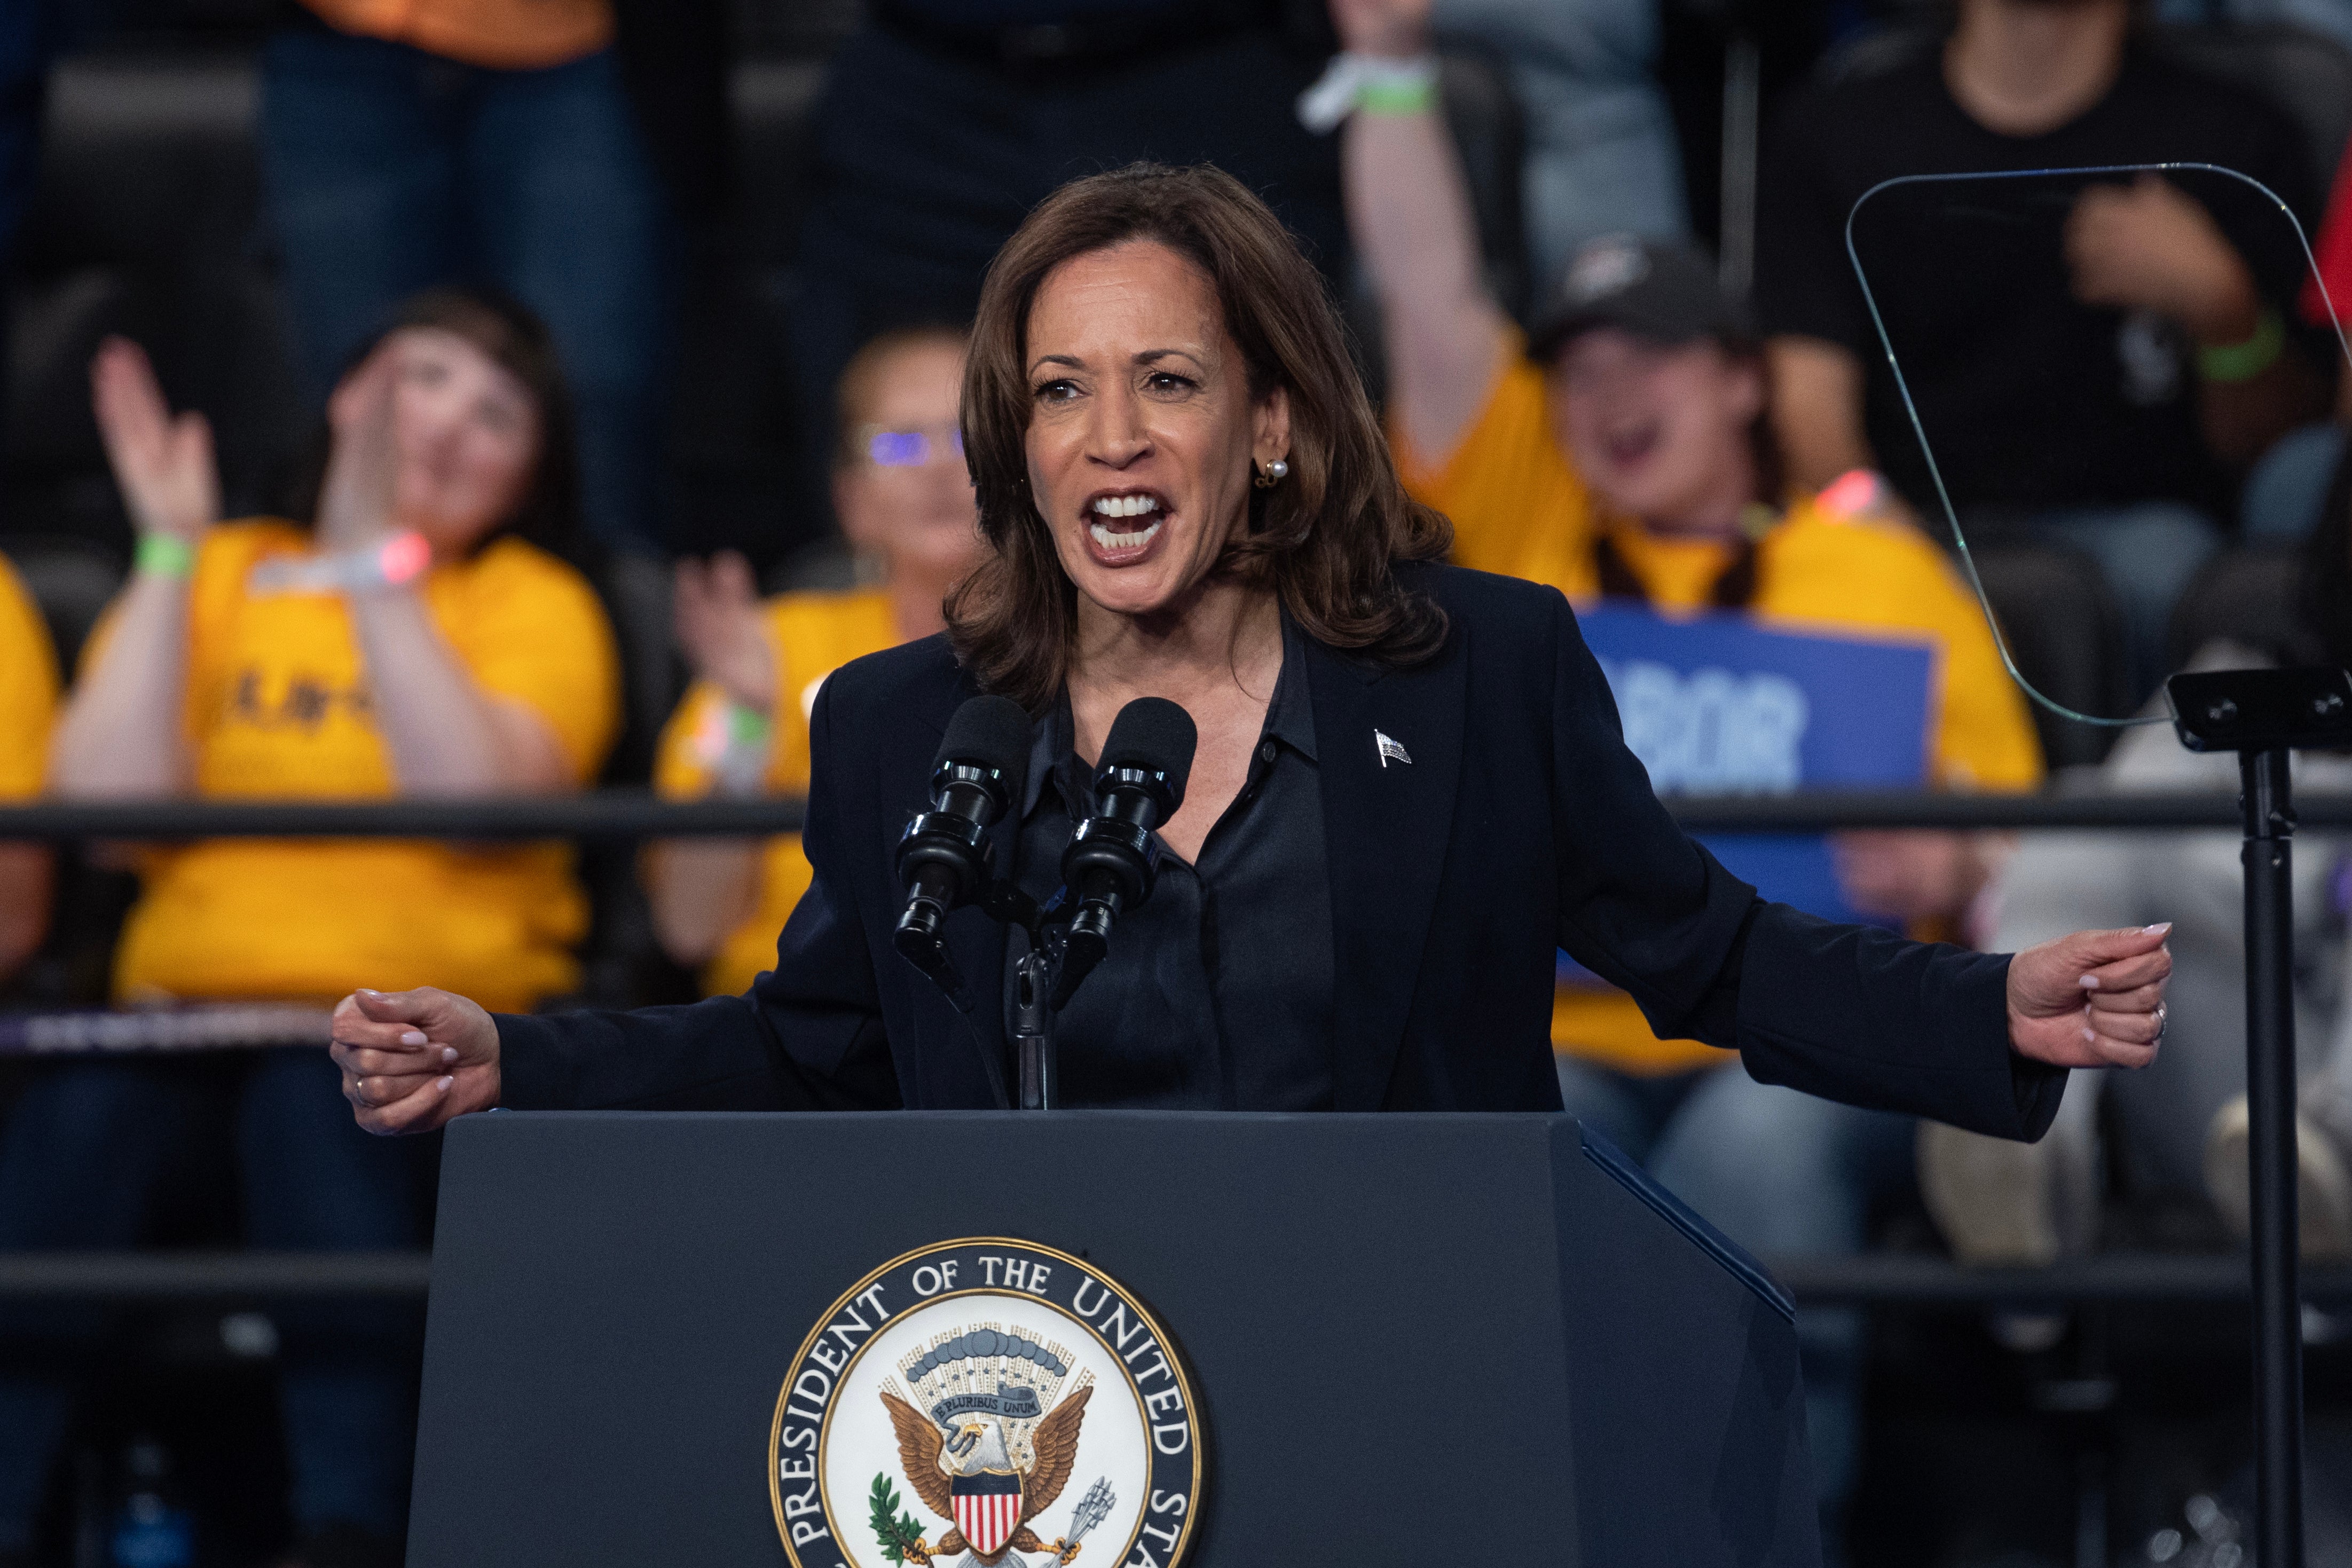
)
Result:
{"points": [[1389, 748]]}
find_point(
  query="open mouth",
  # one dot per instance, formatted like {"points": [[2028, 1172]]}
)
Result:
{"points": [[1123, 527]]}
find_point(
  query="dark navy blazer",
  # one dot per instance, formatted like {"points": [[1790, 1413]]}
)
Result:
{"points": [[1522, 824]]}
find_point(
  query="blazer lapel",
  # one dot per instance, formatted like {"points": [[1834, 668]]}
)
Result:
{"points": [[1388, 814]]}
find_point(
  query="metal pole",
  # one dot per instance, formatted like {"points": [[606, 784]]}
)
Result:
{"points": [[1033, 1032], [2269, 810]]}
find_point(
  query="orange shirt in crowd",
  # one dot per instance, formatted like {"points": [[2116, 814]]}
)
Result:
{"points": [[28, 689], [1519, 507], [507, 35], [813, 634], [278, 706]]}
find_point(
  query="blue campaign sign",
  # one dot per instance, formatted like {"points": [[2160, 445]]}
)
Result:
{"points": [[1718, 703]]}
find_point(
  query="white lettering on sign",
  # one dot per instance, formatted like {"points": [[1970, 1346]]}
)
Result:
{"points": [[1712, 731]]}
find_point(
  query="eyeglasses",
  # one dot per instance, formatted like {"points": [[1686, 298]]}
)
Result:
{"points": [[888, 448]]}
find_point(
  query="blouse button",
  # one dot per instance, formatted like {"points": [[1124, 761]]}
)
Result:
{"points": [[1266, 751]]}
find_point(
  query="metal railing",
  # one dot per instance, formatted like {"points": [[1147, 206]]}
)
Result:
{"points": [[1864, 1280], [636, 814]]}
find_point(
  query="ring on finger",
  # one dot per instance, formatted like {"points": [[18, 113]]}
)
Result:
{"points": [[2162, 1022]]}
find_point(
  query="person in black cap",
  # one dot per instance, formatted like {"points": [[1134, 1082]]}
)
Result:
{"points": [[1623, 450]]}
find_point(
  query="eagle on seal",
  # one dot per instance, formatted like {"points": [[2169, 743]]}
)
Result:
{"points": [[932, 1471]]}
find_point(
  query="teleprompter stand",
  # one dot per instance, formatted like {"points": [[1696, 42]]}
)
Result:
{"points": [[2262, 715]]}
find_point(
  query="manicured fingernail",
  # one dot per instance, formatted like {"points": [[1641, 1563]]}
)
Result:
{"points": [[411, 1038], [448, 1053], [441, 1085], [2090, 1034], [2089, 982], [2159, 928], [370, 991]]}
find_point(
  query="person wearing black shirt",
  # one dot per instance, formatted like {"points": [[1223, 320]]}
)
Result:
{"points": [[2089, 368], [1412, 775]]}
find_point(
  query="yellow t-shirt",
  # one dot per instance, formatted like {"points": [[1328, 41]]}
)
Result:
{"points": [[279, 707], [506, 35], [29, 690], [813, 634], [1519, 507]]}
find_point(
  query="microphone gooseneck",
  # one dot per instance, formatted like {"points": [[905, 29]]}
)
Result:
{"points": [[944, 858], [1112, 860]]}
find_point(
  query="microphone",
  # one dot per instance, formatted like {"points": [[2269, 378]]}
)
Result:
{"points": [[944, 858], [1111, 861]]}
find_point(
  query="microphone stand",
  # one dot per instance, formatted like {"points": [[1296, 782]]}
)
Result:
{"points": [[2262, 715]]}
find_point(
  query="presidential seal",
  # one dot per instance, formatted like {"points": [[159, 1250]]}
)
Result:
{"points": [[986, 1403]]}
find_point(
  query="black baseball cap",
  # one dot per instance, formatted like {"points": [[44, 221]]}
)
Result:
{"points": [[1652, 288]]}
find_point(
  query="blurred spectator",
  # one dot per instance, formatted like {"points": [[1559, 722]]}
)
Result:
{"points": [[28, 707], [1600, 156], [1624, 452], [904, 499], [409, 144], [944, 121], [412, 640], [2179, 1124], [2103, 411], [2286, 491]]}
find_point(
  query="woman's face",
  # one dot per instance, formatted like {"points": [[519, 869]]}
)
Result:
{"points": [[1658, 430], [906, 496], [1143, 436], [465, 430]]}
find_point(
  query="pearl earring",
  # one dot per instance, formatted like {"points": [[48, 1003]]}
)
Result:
{"points": [[1273, 474]]}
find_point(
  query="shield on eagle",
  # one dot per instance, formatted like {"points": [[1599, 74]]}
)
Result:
{"points": [[987, 1508]]}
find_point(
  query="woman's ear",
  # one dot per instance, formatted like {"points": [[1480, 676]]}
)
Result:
{"points": [[1270, 427]]}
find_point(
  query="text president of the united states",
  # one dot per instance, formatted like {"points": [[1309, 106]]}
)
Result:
{"points": [[1185, 495]]}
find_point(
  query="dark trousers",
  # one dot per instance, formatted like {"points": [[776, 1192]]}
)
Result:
{"points": [[390, 171], [928, 161], [88, 1158]]}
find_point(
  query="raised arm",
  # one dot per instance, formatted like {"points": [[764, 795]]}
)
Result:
{"points": [[446, 734], [1409, 212], [124, 731]]}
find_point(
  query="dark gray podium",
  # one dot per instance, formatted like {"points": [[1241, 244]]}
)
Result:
{"points": [[1457, 1339]]}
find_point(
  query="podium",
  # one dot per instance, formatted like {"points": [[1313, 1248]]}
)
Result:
{"points": [[1405, 1339]]}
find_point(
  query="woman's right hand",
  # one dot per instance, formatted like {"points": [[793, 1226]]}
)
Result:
{"points": [[163, 462], [413, 1060], [1397, 28]]}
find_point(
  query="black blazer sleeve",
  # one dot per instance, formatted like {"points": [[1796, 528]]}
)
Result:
{"points": [[807, 1036], [1847, 1012]]}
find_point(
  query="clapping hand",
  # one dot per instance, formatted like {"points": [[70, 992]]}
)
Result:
{"points": [[163, 462], [2150, 245], [1397, 28], [413, 1060], [720, 626], [356, 502], [2092, 1000]]}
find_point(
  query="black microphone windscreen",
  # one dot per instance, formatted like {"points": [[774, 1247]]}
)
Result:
{"points": [[1154, 733], [994, 733]]}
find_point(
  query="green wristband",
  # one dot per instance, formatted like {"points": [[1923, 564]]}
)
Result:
{"points": [[161, 555], [1396, 97], [747, 726], [2244, 361]]}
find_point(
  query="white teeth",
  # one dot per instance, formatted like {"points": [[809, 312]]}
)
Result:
{"points": [[1111, 541], [1125, 505]]}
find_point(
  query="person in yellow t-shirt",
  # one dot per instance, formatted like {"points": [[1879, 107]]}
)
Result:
{"points": [[904, 502], [1624, 450], [412, 640], [28, 707]]}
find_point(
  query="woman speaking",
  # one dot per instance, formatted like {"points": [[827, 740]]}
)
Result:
{"points": [[1409, 789]]}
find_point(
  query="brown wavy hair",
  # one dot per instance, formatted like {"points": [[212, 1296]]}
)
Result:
{"points": [[1326, 538]]}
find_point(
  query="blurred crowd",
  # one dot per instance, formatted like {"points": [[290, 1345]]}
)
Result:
{"points": [[491, 227]]}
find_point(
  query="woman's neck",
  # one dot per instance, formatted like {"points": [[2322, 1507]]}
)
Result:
{"points": [[1229, 634], [918, 605], [2024, 67]]}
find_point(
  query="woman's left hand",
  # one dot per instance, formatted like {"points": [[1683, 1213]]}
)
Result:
{"points": [[2092, 1000], [355, 504]]}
